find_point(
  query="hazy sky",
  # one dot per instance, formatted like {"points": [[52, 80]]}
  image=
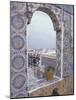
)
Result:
{"points": [[41, 32]]}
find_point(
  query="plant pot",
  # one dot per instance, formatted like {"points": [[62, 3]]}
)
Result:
{"points": [[49, 75]]}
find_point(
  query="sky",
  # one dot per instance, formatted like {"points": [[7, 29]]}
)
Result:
{"points": [[41, 34]]}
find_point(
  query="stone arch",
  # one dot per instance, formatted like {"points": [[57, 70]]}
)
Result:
{"points": [[50, 13], [53, 17], [57, 28]]}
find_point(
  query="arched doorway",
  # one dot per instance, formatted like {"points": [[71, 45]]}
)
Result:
{"points": [[57, 28], [33, 52]]}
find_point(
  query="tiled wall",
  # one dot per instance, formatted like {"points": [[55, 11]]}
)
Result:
{"points": [[20, 15], [18, 50]]}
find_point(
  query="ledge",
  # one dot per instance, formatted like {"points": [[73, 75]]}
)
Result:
{"points": [[43, 83]]}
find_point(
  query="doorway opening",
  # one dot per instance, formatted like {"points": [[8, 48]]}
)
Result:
{"points": [[41, 50]]}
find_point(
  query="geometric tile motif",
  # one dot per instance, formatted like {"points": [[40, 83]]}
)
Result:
{"points": [[17, 21], [17, 42], [18, 81], [17, 6], [18, 64]]}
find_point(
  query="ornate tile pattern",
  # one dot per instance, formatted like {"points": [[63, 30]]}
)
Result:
{"points": [[20, 15], [18, 48]]}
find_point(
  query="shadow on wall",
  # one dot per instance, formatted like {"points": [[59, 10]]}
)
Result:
{"points": [[55, 92]]}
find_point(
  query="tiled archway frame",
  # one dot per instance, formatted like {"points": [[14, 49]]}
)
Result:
{"points": [[20, 16]]}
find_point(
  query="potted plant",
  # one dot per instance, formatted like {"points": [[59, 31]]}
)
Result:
{"points": [[49, 72]]}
